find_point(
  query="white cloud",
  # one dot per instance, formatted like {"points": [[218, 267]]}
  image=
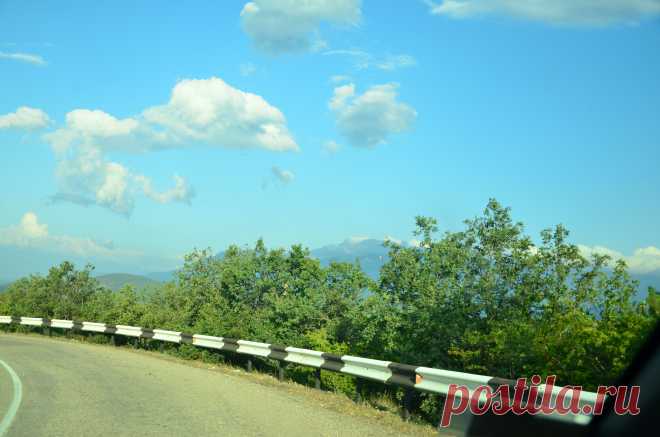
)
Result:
{"points": [[392, 62], [642, 260], [30, 228], [83, 173], [340, 95], [24, 57], [211, 112], [389, 238], [181, 192], [200, 112], [29, 247], [284, 176], [85, 176], [354, 53], [356, 239], [331, 146], [369, 119], [25, 118], [412, 243], [285, 26], [29, 233], [558, 12], [364, 60], [95, 129], [98, 123], [247, 69], [113, 188]]}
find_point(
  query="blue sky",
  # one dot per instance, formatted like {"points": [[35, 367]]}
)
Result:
{"points": [[133, 132]]}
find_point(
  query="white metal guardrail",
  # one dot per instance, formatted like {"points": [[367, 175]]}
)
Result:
{"points": [[412, 377]]}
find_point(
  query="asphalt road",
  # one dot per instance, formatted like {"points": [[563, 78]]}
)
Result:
{"points": [[77, 389]]}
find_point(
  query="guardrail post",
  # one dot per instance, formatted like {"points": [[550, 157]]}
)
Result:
{"points": [[280, 370], [407, 403], [317, 379], [161, 347], [358, 390], [249, 365]]}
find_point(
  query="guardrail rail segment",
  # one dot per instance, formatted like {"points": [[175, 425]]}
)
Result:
{"points": [[411, 377]]}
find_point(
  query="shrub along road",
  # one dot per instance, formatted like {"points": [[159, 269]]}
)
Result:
{"points": [[78, 389]]}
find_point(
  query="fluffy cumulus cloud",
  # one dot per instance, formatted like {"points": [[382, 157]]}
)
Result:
{"points": [[212, 112], [199, 112], [284, 176], [98, 123], [24, 57], [30, 233], [369, 119], [88, 178], [559, 12], [25, 118], [85, 176], [285, 26], [643, 260], [95, 129], [340, 95]]}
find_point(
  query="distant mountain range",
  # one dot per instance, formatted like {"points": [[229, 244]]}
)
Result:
{"points": [[370, 253], [115, 281], [161, 276], [647, 280]]}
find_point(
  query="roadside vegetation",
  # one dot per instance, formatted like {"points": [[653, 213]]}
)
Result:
{"points": [[482, 300]]}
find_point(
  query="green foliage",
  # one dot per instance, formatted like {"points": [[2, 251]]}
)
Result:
{"points": [[63, 294], [484, 300]]}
